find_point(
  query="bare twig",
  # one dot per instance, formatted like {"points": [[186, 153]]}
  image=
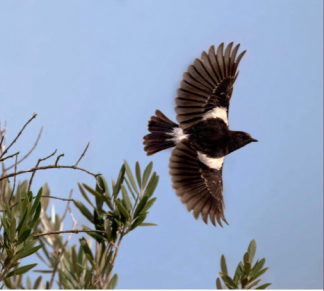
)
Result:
{"points": [[48, 167], [67, 207], [35, 236], [20, 132], [85, 150], [57, 159], [36, 167], [14, 185], [113, 261], [31, 150], [8, 157]]}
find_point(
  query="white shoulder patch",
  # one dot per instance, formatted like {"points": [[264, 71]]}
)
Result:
{"points": [[220, 112], [216, 163], [178, 135]]}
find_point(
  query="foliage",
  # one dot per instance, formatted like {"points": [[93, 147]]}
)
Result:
{"points": [[26, 229], [245, 276]]}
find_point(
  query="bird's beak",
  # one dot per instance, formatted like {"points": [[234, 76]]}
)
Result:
{"points": [[254, 140]]}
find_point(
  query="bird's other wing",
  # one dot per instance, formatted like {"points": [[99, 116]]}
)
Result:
{"points": [[198, 185], [207, 86]]}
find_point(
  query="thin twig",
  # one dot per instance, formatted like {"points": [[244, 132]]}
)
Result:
{"points": [[82, 154], [49, 167], [35, 236], [36, 167], [14, 185], [57, 159], [113, 261], [31, 150], [67, 206], [8, 157], [20, 132]]}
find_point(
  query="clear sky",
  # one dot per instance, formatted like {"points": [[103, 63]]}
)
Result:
{"points": [[97, 70]]}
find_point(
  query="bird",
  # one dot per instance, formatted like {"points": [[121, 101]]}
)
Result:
{"points": [[201, 137]]}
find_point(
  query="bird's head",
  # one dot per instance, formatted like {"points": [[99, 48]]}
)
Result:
{"points": [[239, 139]]}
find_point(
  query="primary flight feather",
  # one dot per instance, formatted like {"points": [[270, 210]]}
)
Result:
{"points": [[202, 138]]}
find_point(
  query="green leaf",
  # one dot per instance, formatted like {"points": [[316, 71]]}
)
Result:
{"points": [[126, 199], [122, 210], [94, 192], [23, 236], [264, 286], [138, 221], [148, 224], [138, 174], [252, 284], [228, 281], [84, 210], [21, 270], [151, 185], [146, 174], [12, 230], [36, 216], [37, 282], [130, 176], [257, 267], [22, 220], [257, 275], [140, 206], [129, 187], [223, 264], [87, 250], [85, 196], [113, 282], [149, 204], [119, 181], [247, 264], [219, 284], [37, 201], [102, 186], [26, 252], [238, 272], [251, 250]]}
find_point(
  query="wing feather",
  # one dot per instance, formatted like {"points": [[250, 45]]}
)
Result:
{"points": [[207, 84]]}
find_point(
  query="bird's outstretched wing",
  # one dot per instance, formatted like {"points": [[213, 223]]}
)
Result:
{"points": [[199, 186], [207, 86]]}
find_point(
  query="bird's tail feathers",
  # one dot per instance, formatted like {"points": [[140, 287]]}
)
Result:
{"points": [[161, 136]]}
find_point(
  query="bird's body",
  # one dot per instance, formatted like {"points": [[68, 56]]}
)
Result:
{"points": [[202, 138]]}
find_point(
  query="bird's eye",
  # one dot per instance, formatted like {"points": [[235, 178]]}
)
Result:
{"points": [[240, 137]]}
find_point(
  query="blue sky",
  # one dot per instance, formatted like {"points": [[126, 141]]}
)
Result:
{"points": [[97, 70]]}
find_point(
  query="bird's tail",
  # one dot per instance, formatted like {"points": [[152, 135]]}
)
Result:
{"points": [[162, 133]]}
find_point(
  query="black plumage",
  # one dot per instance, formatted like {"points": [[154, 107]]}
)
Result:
{"points": [[202, 139]]}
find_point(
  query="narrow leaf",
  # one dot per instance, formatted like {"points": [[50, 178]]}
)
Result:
{"points": [[251, 250], [223, 265], [85, 196], [94, 192], [119, 181], [126, 199], [138, 174], [84, 210], [122, 210], [146, 174], [130, 177], [140, 206], [21, 270], [228, 281], [113, 282], [257, 267], [264, 286], [219, 284], [37, 201], [148, 224], [26, 252]]}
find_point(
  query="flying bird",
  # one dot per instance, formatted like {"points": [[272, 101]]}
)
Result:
{"points": [[202, 138]]}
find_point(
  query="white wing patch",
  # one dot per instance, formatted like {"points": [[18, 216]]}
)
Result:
{"points": [[178, 135], [216, 163], [220, 112]]}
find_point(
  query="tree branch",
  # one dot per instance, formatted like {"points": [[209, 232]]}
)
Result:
{"points": [[35, 236], [31, 150], [20, 132]]}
